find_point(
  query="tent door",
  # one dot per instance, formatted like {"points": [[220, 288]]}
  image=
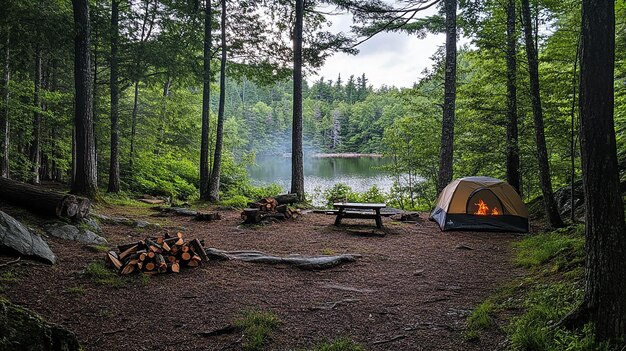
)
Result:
{"points": [[484, 202]]}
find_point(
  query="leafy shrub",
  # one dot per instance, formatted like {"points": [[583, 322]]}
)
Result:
{"points": [[340, 193], [237, 201]]}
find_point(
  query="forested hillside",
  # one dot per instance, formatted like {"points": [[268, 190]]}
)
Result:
{"points": [[158, 68]]}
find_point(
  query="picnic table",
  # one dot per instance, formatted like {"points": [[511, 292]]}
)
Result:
{"points": [[359, 210]]}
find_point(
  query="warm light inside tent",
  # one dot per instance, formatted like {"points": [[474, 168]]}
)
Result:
{"points": [[483, 209]]}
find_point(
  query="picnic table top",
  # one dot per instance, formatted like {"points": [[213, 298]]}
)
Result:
{"points": [[359, 205]]}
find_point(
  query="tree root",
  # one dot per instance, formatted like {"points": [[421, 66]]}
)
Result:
{"points": [[302, 262], [575, 319]]}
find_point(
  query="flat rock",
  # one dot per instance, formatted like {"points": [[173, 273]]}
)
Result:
{"points": [[70, 232], [92, 224], [15, 236]]}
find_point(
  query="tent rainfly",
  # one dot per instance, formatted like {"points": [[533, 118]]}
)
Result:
{"points": [[480, 203]]}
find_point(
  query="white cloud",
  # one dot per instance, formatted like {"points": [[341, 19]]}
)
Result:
{"points": [[396, 59]]}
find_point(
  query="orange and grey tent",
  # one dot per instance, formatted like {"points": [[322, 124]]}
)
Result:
{"points": [[480, 203]]}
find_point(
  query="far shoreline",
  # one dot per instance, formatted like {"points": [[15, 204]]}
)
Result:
{"points": [[338, 155]]}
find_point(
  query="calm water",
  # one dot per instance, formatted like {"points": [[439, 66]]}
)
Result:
{"points": [[359, 173]]}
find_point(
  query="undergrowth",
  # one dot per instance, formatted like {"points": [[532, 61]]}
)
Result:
{"points": [[102, 275], [553, 288], [257, 328], [342, 344]]}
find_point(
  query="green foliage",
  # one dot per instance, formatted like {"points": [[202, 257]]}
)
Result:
{"points": [[544, 306], [98, 248], [564, 247], [102, 275], [76, 290], [8, 277], [480, 319], [256, 327], [342, 344]]}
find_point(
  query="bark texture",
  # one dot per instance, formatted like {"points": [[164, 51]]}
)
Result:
{"points": [[35, 144], [43, 201], [297, 157], [513, 176], [446, 150], [4, 113], [214, 182], [114, 165], [85, 177], [206, 104], [605, 272], [545, 182]]}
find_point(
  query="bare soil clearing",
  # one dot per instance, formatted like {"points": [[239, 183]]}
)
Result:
{"points": [[411, 290]]}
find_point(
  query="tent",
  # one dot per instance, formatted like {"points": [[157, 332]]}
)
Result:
{"points": [[480, 203]]}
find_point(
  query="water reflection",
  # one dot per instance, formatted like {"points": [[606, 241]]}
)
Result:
{"points": [[359, 173]]}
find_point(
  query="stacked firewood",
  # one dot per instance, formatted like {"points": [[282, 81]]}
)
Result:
{"points": [[162, 254], [270, 209]]}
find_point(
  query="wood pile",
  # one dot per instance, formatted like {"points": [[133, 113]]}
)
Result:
{"points": [[269, 209], [163, 254]]}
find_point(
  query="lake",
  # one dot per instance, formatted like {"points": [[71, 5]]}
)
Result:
{"points": [[360, 173]]}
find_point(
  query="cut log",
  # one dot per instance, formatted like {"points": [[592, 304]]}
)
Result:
{"points": [[150, 266], [129, 268], [175, 267], [251, 215], [44, 201], [198, 248], [286, 199], [113, 260], [131, 250]]}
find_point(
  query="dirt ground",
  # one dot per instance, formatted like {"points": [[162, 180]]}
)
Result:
{"points": [[415, 285]]}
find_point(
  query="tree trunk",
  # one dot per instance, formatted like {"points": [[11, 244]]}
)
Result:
{"points": [[573, 136], [297, 158], [35, 144], [447, 123], [206, 104], [133, 124], [114, 165], [512, 150], [4, 113], [85, 179], [214, 182], [605, 271], [545, 182], [43, 201]]}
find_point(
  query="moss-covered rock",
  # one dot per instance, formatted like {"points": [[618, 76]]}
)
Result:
{"points": [[21, 329]]}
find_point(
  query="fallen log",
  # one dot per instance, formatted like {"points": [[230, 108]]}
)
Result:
{"points": [[44, 201], [286, 199], [301, 262]]}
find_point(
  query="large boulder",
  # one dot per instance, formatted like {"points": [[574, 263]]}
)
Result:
{"points": [[70, 232], [14, 236], [21, 329]]}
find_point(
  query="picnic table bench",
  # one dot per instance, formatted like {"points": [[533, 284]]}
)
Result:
{"points": [[359, 210]]}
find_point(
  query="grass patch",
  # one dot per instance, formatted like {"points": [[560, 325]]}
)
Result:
{"points": [[102, 275], [479, 320], [343, 344], [98, 248], [77, 290], [328, 252], [553, 288], [257, 327], [9, 277], [564, 247]]}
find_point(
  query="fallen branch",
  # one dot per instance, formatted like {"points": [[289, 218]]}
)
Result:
{"points": [[395, 338], [11, 262], [302, 262], [332, 305], [220, 331]]}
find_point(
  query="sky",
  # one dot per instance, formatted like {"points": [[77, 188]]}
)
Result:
{"points": [[392, 59]]}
